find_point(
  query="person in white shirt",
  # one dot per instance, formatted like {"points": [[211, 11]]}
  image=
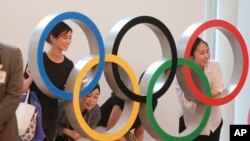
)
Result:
{"points": [[200, 55]]}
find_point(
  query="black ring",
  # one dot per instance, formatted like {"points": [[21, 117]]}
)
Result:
{"points": [[155, 25]]}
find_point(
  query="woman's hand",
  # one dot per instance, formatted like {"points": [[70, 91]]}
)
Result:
{"points": [[72, 133], [29, 72], [215, 93], [27, 82]]}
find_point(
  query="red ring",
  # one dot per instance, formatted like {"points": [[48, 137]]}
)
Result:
{"points": [[199, 95]]}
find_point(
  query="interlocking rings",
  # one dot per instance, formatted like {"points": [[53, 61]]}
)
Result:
{"points": [[148, 80]]}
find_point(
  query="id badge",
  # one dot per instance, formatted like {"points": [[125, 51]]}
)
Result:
{"points": [[2, 76]]}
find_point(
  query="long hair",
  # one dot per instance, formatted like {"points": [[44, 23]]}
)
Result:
{"points": [[195, 45]]}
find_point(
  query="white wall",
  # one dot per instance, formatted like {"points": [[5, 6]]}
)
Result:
{"points": [[19, 18], [242, 104], [235, 12], [223, 53]]}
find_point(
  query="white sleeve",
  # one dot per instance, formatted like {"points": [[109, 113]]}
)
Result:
{"points": [[186, 105], [217, 82]]}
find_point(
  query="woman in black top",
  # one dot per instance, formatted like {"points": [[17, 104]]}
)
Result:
{"points": [[57, 67], [114, 106], [111, 111]]}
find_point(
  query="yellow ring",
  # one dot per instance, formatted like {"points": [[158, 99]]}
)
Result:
{"points": [[109, 135]]}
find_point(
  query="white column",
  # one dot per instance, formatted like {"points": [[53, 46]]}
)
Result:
{"points": [[242, 103], [226, 10]]}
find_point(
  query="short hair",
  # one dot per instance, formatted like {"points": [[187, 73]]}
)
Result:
{"points": [[97, 86], [58, 29]]}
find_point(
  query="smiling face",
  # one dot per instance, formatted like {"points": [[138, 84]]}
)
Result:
{"points": [[201, 55], [62, 42], [60, 37], [89, 101]]}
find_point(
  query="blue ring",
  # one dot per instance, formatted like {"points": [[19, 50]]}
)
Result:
{"points": [[60, 17]]}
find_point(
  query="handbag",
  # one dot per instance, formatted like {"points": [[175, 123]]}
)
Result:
{"points": [[31, 131], [24, 114]]}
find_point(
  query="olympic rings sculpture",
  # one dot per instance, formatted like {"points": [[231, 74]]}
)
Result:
{"points": [[138, 99]]}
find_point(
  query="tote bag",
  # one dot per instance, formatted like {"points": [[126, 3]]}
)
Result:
{"points": [[31, 131], [24, 114]]}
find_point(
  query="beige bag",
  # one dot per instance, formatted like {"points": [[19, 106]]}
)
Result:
{"points": [[31, 131], [24, 114]]}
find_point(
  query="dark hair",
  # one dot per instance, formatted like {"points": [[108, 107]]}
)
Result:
{"points": [[195, 45], [61, 27], [97, 87], [141, 76]]}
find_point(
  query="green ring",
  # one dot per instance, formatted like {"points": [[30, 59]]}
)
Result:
{"points": [[162, 134]]}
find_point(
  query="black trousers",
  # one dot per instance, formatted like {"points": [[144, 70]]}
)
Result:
{"points": [[214, 136], [49, 127]]}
